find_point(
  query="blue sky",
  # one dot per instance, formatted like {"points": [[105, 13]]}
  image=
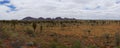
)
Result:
{"points": [[80, 9], [8, 4]]}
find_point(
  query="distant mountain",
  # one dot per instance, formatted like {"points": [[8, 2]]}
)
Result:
{"points": [[41, 18], [29, 18]]}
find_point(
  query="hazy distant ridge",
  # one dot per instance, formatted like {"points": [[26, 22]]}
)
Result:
{"points": [[41, 18]]}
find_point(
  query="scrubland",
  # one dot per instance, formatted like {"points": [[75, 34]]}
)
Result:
{"points": [[60, 34]]}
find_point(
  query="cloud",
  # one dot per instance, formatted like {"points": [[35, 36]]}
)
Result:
{"points": [[82, 9]]}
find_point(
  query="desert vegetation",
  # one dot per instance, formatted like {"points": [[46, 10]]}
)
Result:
{"points": [[60, 34]]}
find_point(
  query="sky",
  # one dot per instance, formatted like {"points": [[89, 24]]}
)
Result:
{"points": [[80, 9]]}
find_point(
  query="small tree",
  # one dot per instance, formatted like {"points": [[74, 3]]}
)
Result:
{"points": [[41, 28], [14, 23], [1, 28], [34, 25]]}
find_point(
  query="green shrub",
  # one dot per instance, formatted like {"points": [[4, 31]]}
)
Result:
{"points": [[77, 44], [117, 47], [61, 46], [57, 45], [53, 45]]}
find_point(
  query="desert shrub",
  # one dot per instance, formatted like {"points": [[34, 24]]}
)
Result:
{"points": [[57, 45], [91, 46], [87, 32], [56, 38], [4, 35], [63, 25], [77, 44], [2, 44], [107, 41], [17, 44], [1, 29], [117, 38], [14, 22], [117, 47], [62, 46], [53, 45], [30, 33], [30, 43]]}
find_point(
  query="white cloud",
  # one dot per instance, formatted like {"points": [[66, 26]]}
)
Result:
{"points": [[83, 9]]}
